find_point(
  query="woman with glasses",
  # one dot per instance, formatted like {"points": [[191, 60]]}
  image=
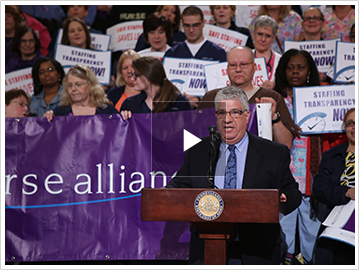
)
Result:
{"points": [[124, 82], [26, 45], [297, 69], [47, 75], [82, 95], [16, 103], [224, 16], [335, 185], [264, 32], [312, 24], [156, 92]]}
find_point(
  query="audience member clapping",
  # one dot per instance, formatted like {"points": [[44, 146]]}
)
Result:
{"points": [[47, 74], [224, 16], [16, 103], [82, 95], [157, 94], [27, 47], [124, 81]]}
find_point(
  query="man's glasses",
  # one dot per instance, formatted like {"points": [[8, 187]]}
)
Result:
{"points": [[234, 113], [314, 18], [195, 26], [242, 65], [21, 104]]}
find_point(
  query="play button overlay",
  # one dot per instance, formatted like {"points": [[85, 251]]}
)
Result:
{"points": [[189, 140]]}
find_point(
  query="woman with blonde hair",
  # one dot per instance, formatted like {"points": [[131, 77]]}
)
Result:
{"points": [[289, 23], [82, 95], [124, 81]]}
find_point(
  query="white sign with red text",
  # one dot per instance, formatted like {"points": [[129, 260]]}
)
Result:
{"points": [[20, 79], [124, 35], [225, 38], [217, 74], [246, 14]]}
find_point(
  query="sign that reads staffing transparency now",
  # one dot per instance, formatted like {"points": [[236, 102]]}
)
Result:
{"points": [[321, 109]]}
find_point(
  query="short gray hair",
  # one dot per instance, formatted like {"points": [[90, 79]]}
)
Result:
{"points": [[266, 21], [232, 93]]}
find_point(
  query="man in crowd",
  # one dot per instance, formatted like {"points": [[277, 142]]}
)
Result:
{"points": [[196, 45], [244, 161], [241, 68]]}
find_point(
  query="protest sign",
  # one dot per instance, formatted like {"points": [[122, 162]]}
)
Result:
{"points": [[323, 52], [246, 14], [100, 42], [341, 223], [99, 62], [124, 35], [187, 74], [344, 68], [20, 79], [77, 186], [321, 109], [217, 74], [225, 38]]}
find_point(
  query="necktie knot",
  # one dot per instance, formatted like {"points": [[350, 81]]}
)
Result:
{"points": [[232, 148]]}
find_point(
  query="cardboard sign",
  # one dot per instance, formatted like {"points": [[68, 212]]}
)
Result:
{"points": [[99, 62], [124, 35], [20, 79], [321, 109], [344, 68]]}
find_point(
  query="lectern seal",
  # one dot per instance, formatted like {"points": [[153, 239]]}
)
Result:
{"points": [[208, 205]]}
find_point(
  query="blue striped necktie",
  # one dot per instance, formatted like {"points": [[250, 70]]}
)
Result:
{"points": [[230, 180]]}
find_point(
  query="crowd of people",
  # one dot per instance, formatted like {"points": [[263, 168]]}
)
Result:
{"points": [[139, 84]]}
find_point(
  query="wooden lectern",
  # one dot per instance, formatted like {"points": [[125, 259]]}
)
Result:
{"points": [[239, 206]]}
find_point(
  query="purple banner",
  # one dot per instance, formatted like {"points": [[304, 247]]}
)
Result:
{"points": [[73, 185]]}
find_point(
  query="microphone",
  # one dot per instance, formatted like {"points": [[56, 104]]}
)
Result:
{"points": [[215, 136]]}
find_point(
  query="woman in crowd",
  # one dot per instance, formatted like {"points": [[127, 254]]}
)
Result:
{"points": [[82, 95], [289, 23], [124, 82], [338, 22], [157, 31], [156, 92], [224, 17], [174, 14], [264, 32], [76, 34], [312, 24], [47, 74], [335, 185], [297, 69], [26, 45], [12, 23], [16, 103]]}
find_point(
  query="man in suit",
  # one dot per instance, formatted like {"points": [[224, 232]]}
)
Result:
{"points": [[241, 68], [259, 164]]}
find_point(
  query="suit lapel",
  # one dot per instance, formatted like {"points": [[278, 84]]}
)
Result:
{"points": [[252, 161]]}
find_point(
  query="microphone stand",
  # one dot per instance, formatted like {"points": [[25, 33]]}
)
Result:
{"points": [[213, 139]]}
